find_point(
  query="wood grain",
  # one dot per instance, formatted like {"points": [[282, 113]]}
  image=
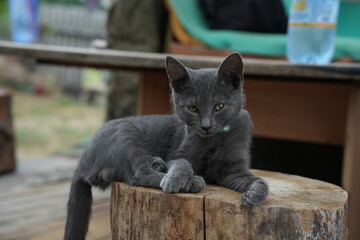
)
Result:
{"points": [[140, 213], [297, 208]]}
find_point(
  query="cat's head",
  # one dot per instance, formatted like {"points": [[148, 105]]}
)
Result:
{"points": [[207, 99]]}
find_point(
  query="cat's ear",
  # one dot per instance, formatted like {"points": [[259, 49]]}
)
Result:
{"points": [[177, 73], [231, 70]]}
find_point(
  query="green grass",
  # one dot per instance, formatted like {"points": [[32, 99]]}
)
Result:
{"points": [[46, 125]]}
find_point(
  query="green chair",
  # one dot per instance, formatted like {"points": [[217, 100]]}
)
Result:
{"points": [[272, 45]]}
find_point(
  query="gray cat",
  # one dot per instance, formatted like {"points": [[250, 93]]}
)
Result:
{"points": [[209, 136]]}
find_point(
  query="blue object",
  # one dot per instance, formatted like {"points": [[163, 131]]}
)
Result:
{"points": [[312, 31], [24, 20]]}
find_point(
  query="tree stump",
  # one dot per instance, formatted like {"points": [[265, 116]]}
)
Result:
{"points": [[297, 208], [7, 145]]}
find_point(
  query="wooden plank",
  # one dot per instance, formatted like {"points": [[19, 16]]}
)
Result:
{"points": [[347, 72], [35, 208], [351, 164], [29, 215], [33, 202], [202, 50], [99, 229], [311, 112]]}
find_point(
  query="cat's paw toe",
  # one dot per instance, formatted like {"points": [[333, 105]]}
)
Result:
{"points": [[256, 194], [158, 164], [172, 183], [194, 185], [250, 199], [197, 184]]}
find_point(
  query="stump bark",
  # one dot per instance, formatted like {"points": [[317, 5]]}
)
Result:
{"points": [[297, 208], [7, 143]]}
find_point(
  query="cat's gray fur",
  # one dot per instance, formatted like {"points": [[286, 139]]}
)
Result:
{"points": [[166, 151]]}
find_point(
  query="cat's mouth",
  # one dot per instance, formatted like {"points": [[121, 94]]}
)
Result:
{"points": [[206, 133], [212, 132]]}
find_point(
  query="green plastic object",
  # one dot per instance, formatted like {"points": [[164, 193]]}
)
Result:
{"points": [[272, 45]]}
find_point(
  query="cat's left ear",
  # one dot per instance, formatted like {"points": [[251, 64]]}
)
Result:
{"points": [[231, 70], [177, 73]]}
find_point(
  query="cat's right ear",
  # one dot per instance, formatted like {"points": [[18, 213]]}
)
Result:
{"points": [[231, 70], [177, 73]]}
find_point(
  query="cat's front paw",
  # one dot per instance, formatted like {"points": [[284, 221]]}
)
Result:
{"points": [[194, 185], [172, 182], [256, 194]]}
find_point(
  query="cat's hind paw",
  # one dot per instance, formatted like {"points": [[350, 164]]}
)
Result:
{"points": [[102, 179], [158, 164], [256, 194]]}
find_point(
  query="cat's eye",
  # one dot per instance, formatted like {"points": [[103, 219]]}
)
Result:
{"points": [[218, 107], [193, 108]]}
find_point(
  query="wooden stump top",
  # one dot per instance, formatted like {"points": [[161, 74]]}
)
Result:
{"points": [[297, 208]]}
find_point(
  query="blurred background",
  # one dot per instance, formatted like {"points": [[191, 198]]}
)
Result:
{"points": [[54, 111], [46, 98]]}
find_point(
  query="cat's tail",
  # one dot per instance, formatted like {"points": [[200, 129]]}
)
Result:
{"points": [[79, 210]]}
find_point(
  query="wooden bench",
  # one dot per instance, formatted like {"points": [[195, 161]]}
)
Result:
{"points": [[297, 208], [309, 103]]}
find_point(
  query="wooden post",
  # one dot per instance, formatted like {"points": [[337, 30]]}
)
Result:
{"points": [[297, 208], [351, 164], [7, 145]]}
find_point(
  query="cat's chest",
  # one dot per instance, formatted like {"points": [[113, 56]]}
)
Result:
{"points": [[203, 153]]}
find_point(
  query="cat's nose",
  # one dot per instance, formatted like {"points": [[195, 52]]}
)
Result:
{"points": [[206, 129]]}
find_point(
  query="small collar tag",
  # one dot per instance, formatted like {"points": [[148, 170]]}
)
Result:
{"points": [[225, 129]]}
